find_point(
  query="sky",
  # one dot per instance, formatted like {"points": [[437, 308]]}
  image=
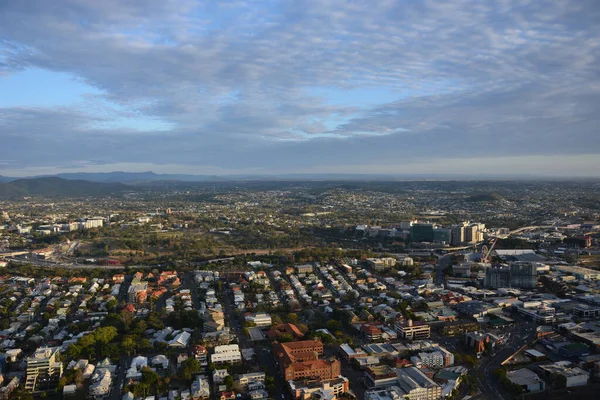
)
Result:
{"points": [[311, 86]]}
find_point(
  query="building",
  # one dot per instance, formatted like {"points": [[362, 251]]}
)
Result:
{"points": [[583, 311], [497, 276], [378, 376], [200, 388], [442, 235], [101, 383], [285, 329], [405, 225], [523, 275], [574, 376], [5, 391], [371, 332], [541, 313], [478, 341], [43, 370], [313, 369], [229, 353], [304, 350], [247, 379], [431, 359], [201, 354], [387, 393], [473, 233], [517, 275], [300, 360], [138, 292], [578, 272], [418, 386], [462, 270], [421, 232], [261, 320], [349, 353], [180, 341], [413, 330], [304, 269], [305, 390], [527, 379], [457, 236], [381, 264], [91, 223]]}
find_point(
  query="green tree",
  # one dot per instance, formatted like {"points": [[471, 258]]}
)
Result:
{"points": [[105, 334], [189, 368], [129, 345]]}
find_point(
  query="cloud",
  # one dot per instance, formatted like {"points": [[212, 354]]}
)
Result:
{"points": [[228, 84]]}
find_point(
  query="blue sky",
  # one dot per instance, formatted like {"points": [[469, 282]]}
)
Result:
{"points": [[511, 86]]}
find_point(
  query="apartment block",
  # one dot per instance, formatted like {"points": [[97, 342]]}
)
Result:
{"points": [[43, 370]]}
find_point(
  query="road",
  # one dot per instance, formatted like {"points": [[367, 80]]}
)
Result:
{"points": [[523, 333], [262, 351], [443, 263]]}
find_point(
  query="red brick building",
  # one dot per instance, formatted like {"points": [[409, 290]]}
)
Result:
{"points": [[300, 360]]}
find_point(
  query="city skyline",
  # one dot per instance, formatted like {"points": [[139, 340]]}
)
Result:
{"points": [[509, 87]]}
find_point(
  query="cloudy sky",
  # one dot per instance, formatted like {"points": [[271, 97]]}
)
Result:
{"points": [[227, 87]]}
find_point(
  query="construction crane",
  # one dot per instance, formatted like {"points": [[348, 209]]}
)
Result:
{"points": [[485, 252]]}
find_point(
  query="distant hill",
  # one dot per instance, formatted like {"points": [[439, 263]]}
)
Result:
{"points": [[138, 177], [151, 178], [58, 187], [484, 197]]}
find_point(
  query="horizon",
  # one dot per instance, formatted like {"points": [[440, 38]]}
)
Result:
{"points": [[322, 87], [324, 177]]}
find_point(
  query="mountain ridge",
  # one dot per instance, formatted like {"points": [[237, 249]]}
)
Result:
{"points": [[58, 187], [149, 176]]}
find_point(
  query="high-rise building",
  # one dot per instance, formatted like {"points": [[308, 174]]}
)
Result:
{"points": [[471, 233], [442, 235], [405, 225], [523, 275], [458, 235], [43, 370], [518, 275], [421, 232], [497, 276]]}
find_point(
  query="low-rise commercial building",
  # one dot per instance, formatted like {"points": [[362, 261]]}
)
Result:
{"points": [[526, 379], [413, 330], [229, 353], [418, 386], [574, 376], [305, 390]]}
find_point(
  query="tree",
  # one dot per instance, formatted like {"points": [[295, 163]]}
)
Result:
{"points": [[458, 359], [228, 381], [105, 334], [292, 318], [285, 337], [149, 377], [334, 325], [129, 345], [189, 368]]}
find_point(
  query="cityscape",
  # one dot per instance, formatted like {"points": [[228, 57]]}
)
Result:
{"points": [[299, 200], [304, 290]]}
